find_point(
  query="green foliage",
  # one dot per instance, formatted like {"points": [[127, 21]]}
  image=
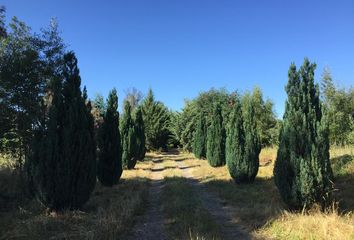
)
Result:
{"points": [[157, 123], [243, 142], [109, 167], [216, 139], [140, 135], [266, 122], [28, 65], [62, 166], [127, 132], [3, 32], [200, 138], [185, 126], [339, 104], [302, 169]]}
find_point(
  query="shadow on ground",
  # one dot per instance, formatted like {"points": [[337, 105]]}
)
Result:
{"points": [[343, 169]]}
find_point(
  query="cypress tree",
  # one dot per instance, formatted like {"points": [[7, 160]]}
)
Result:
{"points": [[302, 170], [128, 138], [63, 164], [109, 168], [242, 143], [216, 139], [140, 135], [200, 138]]}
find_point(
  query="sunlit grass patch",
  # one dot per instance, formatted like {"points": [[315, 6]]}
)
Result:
{"points": [[314, 225], [186, 218]]}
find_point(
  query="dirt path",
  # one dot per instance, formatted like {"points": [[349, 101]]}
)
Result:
{"points": [[150, 226], [222, 214]]}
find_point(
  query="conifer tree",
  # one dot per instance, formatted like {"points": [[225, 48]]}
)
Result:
{"points": [[109, 168], [140, 134], [216, 139], [242, 143], [200, 138], [128, 138], [157, 123], [302, 169], [63, 164]]}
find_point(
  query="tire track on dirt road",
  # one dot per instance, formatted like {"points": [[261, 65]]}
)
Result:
{"points": [[223, 215], [150, 225]]}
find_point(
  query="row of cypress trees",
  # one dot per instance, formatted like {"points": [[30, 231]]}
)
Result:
{"points": [[302, 170], [233, 141], [62, 167]]}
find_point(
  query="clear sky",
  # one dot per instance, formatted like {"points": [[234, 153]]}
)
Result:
{"points": [[182, 47]]}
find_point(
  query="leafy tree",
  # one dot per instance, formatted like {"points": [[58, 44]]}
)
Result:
{"points": [[302, 169], [134, 97], [29, 64], [216, 139], [140, 134], [185, 126], [265, 117], [128, 136], [157, 123], [109, 168], [63, 163], [339, 104], [200, 138], [21, 89]]}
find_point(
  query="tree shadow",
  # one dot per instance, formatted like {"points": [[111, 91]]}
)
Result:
{"points": [[254, 204], [344, 181], [173, 151]]}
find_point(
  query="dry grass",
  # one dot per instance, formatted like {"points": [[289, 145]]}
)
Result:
{"points": [[260, 209], [315, 225], [109, 214], [185, 216]]}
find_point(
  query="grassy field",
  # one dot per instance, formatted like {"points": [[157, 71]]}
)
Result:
{"points": [[260, 209]]}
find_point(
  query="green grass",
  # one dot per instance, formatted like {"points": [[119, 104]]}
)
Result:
{"points": [[186, 218]]}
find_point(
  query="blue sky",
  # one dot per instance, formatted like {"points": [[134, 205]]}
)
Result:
{"points": [[183, 47]]}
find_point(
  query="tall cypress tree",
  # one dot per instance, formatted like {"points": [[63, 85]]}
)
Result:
{"points": [[242, 143], [302, 170], [140, 134], [200, 138], [109, 168], [128, 138], [216, 139], [63, 164]]}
